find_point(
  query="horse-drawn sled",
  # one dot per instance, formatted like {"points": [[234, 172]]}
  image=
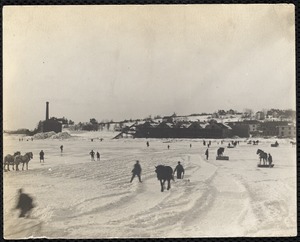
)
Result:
{"points": [[220, 155], [275, 145], [263, 157]]}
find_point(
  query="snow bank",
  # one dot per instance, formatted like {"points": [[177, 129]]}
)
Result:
{"points": [[52, 135], [45, 135], [62, 135], [87, 135]]}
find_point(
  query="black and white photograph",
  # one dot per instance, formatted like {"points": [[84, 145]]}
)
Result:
{"points": [[149, 121]]}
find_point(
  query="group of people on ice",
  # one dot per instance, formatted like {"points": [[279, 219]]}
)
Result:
{"points": [[22, 139], [137, 170], [42, 154], [92, 153]]}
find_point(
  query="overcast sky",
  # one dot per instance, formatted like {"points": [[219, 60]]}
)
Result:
{"points": [[121, 62]]}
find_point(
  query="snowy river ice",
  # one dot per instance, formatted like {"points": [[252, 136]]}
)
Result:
{"points": [[80, 198]]}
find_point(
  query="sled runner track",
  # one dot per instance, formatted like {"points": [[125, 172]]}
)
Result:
{"points": [[278, 208], [80, 198], [109, 215], [159, 217], [31, 230], [162, 213]]}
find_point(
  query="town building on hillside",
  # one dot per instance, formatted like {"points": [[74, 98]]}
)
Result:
{"points": [[288, 130], [174, 119], [240, 129], [149, 124], [181, 125], [270, 128], [260, 115], [226, 130], [254, 126], [180, 119], [168, 119], [272, 114], [195, 125], [165, 125], [183, 130]]}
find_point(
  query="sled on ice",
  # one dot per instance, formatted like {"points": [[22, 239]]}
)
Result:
{"points": [[265, 166], [222, 158], [220, 155], [275, 145]]}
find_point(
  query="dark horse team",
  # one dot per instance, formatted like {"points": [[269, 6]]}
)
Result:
{"points": [[16, 159]]}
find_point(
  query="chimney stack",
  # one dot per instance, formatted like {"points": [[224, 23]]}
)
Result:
{"points": [[47, 110]]}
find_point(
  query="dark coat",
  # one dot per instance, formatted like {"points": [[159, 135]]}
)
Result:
{"points": [[25, 202], [179, 168], [270, 159], [42, 155], [137, 169]]}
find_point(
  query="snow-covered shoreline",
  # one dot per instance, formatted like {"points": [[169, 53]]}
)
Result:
{"points": [[78, 198]]}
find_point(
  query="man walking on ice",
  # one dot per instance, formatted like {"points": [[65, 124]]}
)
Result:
{"points": [[180, 171], [136, 171]]}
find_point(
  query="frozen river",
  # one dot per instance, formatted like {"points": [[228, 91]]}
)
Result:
{"points": [[80, 198]]}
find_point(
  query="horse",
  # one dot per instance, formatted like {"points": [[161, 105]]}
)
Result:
{"points": [[164, 173], [262, 156], [293, 143], [23, 159], [220, 151], [9, 160]]}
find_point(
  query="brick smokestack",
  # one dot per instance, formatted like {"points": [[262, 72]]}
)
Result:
{"points": [[47, 110]]}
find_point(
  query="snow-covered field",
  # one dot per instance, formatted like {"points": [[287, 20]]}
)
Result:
{"points": [[80, 198]]}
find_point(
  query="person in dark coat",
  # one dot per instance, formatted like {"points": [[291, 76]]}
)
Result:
{"points": [[270, 159], [180, 170], [98, 156], [61, 148], [92, 153], [147, 143], [136, 171], [42, 156], [25, 204], [206, 154]]}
